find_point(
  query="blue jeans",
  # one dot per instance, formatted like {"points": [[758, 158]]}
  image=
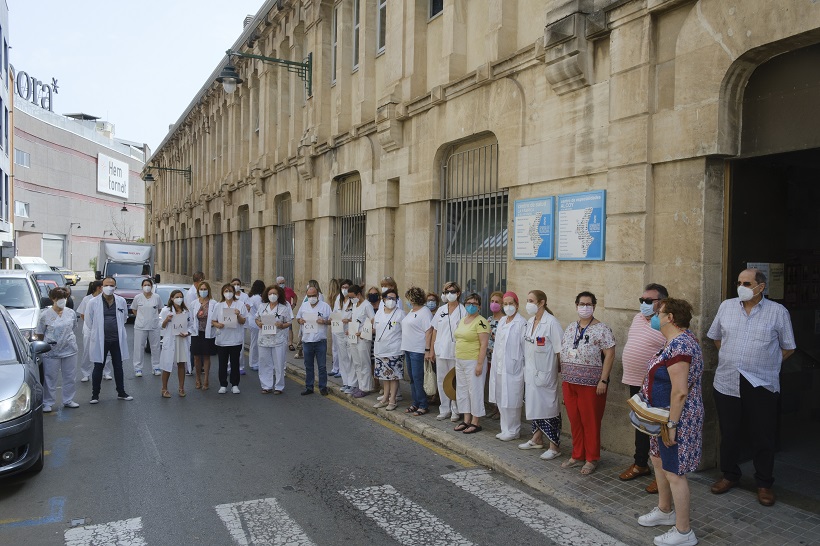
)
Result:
{"points": [[416, 363], [317, 350]]}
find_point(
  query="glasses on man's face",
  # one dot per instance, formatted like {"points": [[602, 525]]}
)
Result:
{"points": [[451, 291], [747, 284], [648, 300], [391, 298], [584, 304]]}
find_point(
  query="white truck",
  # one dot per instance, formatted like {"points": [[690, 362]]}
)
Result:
{"points": [[121, 258]]}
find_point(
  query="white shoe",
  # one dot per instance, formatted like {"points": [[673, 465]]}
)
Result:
{"points": [[108, 376], [506, 437], [673, 537], [529, 444], [550, 454], [222, 390], [657, 517], [157, 371], [442, 416], [46, 409], [127, 398], [346, 390], [71, 404], [380, 398], [84, 379], [235, 389], [138, 374], [455, 418]]}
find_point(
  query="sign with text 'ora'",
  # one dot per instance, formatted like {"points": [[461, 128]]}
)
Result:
{"points": [[112, 176]]}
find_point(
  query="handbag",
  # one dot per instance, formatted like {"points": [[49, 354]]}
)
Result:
{"points": [[430, 382], [648, 419]]}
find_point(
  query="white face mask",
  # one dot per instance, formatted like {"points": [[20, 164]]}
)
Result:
{"points": [[390, 304], [451, 297], [228, 295], [313, 300], [61, 303], [585, 311], [509, 310], [203, 293], [237, 289], [108, 290], [384, 289], [178, 301], [344, 292], [532, 308], [146, 289], [273, 298], [744, 293], [282, 285]]}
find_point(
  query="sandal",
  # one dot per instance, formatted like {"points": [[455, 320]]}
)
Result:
{"points": [[570, 463], [461, 426], [181, 393], [266, 391], [589, 467], [420, 411], [411, 409], [472, 429], [198, 384], [166, 394], [205, 386]]}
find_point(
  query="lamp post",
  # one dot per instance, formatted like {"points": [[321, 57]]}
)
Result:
{"points": [[150, 177], [71, 244], [125, 209], [229, 77]]}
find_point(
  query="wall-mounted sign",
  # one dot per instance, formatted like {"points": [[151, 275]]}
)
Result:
{"points": [[32, 90], [112, 176], [581, 224], [533, 228]]}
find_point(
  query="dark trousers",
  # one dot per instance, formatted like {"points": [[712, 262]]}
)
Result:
{"points": [[231, 352], [753, 415], [641, 439], [315, 350], [113, 348]]}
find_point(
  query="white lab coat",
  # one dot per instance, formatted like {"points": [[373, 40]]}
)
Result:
{"points": [[95, 319], [542, 402], [507, 370], [195, 306], [166, 356]]}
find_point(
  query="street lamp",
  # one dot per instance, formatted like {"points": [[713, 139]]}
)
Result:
{"points": [[229, 77], [150, 177], [71, 243], [125, 209]]}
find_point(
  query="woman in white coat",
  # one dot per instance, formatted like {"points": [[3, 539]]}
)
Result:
{"points": [[507, 370], [146, 307], [254, 302], [202, 343], [542, 345], [361, 312], [271, 346], [443, 345], [343, 305], [86, 365], [177, 329]]}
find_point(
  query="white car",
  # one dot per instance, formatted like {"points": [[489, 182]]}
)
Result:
{"points": [[20, 296]]}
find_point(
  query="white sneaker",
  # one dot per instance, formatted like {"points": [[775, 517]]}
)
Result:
{"points": [[46, 409], [506, 437], [235, 389], [455, 418], [380, 398], [550, 454], [71, 404], [657, 517], [529, 444], [127, 398], [222, 390], [138, 374], [673, 537], [84, 379], [108, 376], [346, 390], [442, 416], [157, 371]]}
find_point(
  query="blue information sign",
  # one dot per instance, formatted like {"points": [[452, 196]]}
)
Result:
{"points": [[533, 238], [581, 225]]}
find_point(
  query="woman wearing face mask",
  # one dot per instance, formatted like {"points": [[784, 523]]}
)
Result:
{"points": [[333, 292], [542, 344], [387, 348], [443, 346], [86, 366], [586, 379], [202, 344], [472, 336], [386, 283], [507, 372], [496, 314], [274, 307], [341, 356], [178, 326], [56, 327], [254, 301], [374, 298], [229, 337], [146, 307], [433, 302], [360, 350], [415, 340]]}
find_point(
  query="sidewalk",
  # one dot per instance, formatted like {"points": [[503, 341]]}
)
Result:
{"points": [[614, 506]]}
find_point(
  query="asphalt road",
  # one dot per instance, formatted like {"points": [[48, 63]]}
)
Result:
{"points": [[248, 468]]}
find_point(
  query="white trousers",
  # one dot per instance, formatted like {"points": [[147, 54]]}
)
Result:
{"points": [[345, 363], [360, 363], [444, 365], [470, 388], [510, 421], [86, 366], [140, 336], [272, 367], [53, 368], [253, 357], [335, 347]]}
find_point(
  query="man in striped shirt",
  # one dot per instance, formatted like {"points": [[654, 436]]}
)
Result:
{"points": [[753, 336], [642, 343]]}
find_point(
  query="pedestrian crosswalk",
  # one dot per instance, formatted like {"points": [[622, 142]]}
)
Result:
{"points": [[404, 519]]}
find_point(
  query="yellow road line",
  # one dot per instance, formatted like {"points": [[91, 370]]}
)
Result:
{"points": [[398, 430]]}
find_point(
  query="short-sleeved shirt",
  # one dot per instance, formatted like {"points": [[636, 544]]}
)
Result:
{"points": [[468, 345], [445, 324], [642, 344], [387, 332], [147, 309], [323, 310], [283, 313], [581, 361], [229, 337], [58, 331], [750, 344], [414, 328]]}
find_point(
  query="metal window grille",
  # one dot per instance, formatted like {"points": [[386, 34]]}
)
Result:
{"points": [[473, 229], [218, 247], [285, 241], [351, 223], [245, 248], [198, 260]]}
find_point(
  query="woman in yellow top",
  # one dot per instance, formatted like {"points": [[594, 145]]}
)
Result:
{"points": [[471, 337]]}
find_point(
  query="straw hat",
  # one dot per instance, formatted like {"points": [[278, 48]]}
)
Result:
{"points": [[450, 384]]}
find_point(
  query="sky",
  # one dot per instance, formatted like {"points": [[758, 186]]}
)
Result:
{"points": [[137, 64]]}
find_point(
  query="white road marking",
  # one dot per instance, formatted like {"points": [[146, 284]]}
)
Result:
{"points": [[405, 521], [148, 442], [261, 521], [557, 526], [127, 532]]}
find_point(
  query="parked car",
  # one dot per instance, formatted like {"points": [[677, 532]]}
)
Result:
{"points": [[128, 286], [58, 279], [46, 286], [21, 297], [164, 291], [21, 400], [71, 278]]}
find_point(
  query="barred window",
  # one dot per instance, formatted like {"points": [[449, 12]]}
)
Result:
{"points": [[351, 223], [285, 240]]}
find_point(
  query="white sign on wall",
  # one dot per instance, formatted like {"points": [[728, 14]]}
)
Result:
{"points": [[112, 176]]}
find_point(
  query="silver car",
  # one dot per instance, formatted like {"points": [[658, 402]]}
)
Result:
{"points": [[20, 296]]}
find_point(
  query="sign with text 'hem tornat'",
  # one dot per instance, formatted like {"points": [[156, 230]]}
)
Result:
{"points": [[112, 176]]}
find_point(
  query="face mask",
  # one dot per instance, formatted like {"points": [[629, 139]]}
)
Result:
{"points": [[532, 308], [431, 305], [372, 298], [237, 289], [655, 323], [146, 289], [509, 310], [472, 308], [108, 290], [584, 311], [178, 301], [384, 289], [228, 295], [495, 307], [203, 293], [308, 287], [273, 298], [313, 300], [61, 303], [744, 293], [647, 309], [282, 286], [390, 304], [451, 297], [344, 292]]}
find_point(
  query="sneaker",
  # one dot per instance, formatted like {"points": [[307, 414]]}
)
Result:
{"points": [[506, 437], [255, 368], [108, 376], [235, 389], [125, 397], [84, 379], [94, 400], [380, 398], [46, 409], [442, 416], [455, 418], [673, 537], [323, 392], [157, 371], [222, 390], [657, 517], [550, 454], [71, 404], [529, 444], [189, 373], [242, 372], [138, 374], [345, 389]]}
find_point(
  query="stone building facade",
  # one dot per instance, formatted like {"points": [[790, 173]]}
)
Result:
{"points": [[425, 126]]}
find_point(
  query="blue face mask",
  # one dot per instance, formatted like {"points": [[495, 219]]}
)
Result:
{"points": [[655, 323], [472, 308], [431, 305], [647, 309]]}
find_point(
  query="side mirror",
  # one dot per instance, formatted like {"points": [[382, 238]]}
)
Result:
{"points": [[98, 275], [39, 347], [45, 302], [156, 279]]}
